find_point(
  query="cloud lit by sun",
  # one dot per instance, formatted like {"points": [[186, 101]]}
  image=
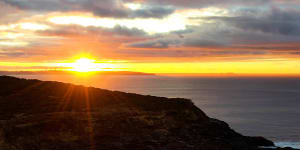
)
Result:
{"points": [[150, 26]]}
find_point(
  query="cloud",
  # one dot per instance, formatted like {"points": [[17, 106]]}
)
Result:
{"points": [[277, 21], [160, 43], [205, 3], [177, 42], [76, 30], [11, 54], [191, 42], [103, 8], [271, 31], [158, 55], [152, 12], [10, 14], [119, 30]]}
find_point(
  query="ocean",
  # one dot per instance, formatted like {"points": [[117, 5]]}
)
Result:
{"points": [[257, 106]]}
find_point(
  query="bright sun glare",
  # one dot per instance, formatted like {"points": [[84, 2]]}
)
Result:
{"points": [[84, 65]]}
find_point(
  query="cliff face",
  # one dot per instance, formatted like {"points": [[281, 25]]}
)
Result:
{"points": [[55, 116]]}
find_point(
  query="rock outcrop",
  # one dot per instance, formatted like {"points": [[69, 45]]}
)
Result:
{"points": [[39, 115]]}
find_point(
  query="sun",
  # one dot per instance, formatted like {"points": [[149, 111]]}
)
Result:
{"points": [[84, 65], [87, 65]]}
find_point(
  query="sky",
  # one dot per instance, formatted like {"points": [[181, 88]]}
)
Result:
{"points": [[154, 36]]}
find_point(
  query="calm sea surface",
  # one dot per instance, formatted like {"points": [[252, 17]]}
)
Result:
{"points": [[268, 107]]}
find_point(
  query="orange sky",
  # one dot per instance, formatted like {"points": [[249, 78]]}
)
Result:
{"points": [[238, 37]]}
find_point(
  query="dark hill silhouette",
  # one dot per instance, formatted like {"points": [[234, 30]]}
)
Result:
{"points": [[39, 115]]}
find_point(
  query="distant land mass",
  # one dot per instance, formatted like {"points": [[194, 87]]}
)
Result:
{"points": [[60, 72], [47, 115]]}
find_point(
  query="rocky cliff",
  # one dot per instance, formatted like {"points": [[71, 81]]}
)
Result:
{"points": [[38, 115]]}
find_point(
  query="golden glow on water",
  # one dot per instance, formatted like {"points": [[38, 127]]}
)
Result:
{"points": [[254, 67]]}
